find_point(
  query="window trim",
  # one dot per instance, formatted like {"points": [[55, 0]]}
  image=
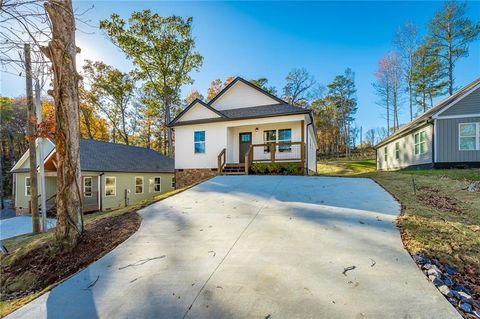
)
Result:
{"points": [[27, 187], [419, 143], [385, 154], [160, 184], [173, 182], [143, 184], [200, 142], [397, 150], [477, 136], [114, 186], [284, 148], [91, 186]]}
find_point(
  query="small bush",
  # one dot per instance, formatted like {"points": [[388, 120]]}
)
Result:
{"points": [[276, 168]]}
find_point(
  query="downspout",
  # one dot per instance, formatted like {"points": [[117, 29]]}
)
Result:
{"points": [[100, 191], [306, 152], [433, 141]]}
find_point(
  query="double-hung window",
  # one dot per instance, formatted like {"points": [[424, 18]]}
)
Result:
{"points": [[385, 153], [27, 186], [157, 184], [469, 136], [285, 136], [139, 185], [397, 150], [420, 143], [269, 136], [110, 186], [87, 186], [173, 182], [199, 142]]}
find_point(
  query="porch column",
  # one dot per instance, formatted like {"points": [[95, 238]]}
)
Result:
{"points": [[302, 146]]}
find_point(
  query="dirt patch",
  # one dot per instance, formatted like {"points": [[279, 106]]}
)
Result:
{"points": [[45, 266], [433, 198]]}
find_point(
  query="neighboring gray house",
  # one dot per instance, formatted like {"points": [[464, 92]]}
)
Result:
{"points": [[113, 175], [447, 135]]}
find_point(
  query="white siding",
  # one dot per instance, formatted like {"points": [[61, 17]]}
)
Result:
{"points": [[220, 134], [241, 95], [407, 155], [198, 112]]}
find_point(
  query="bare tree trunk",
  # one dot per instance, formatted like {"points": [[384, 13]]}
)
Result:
{"points": [[61, 51], [31, 128], [88, 125]]}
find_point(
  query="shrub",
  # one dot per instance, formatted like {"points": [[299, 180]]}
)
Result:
{"points": [[276, 168]]}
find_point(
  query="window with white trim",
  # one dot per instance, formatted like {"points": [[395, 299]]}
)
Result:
{"points": [[87, 186], [397, 150], [110, 186], [173, 182], [27, 186], [385, 153], [157, 184], [138, 184], [420, 143], [469, 136], [199, 142], [285, 136], [269, 136]]}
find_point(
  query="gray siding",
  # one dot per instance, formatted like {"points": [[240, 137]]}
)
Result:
{"points": [[468, 105], [407, 156], [447, 137]]}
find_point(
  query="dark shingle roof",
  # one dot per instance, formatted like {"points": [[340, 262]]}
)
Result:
{"points": [[249, 112], [425, 117], [264, 110], [110, 157]]}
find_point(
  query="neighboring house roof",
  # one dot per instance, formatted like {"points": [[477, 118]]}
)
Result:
{"points": [[102, 156], [281, 108], [424, 118]]}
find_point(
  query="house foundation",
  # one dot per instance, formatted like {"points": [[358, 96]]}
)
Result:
{"points": [[186, 177]]}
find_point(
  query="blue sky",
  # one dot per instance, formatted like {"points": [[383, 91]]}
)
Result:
{"points": [[267, 39]]}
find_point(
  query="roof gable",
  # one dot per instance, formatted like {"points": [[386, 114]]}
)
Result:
{"points": [[467, 104], [241, 93], [198, 110], [24, 163]]}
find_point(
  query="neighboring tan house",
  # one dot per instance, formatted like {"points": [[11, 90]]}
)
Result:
{"points": [[447, 135], [240, 126], [121, 174]]}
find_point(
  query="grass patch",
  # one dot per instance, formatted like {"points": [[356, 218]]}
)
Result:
{"points": [[22, 246], [344, 167], [449, 235]]}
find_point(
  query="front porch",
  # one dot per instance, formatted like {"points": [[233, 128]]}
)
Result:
{"points": [[281, 142]]}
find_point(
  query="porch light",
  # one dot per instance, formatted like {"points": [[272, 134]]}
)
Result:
{"points": [[256, 129]]}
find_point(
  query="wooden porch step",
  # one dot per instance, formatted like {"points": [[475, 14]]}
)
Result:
{"points": [[234, 173]]}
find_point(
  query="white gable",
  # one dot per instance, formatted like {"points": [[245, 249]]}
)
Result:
{"points": [[198, 112], [241, 95], [23, 162]]}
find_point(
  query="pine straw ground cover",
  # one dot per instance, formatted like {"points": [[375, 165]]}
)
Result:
{"points": [[34, 265]]}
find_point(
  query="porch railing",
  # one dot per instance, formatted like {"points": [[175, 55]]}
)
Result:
{"points": [[275, 152], [222, 158]]}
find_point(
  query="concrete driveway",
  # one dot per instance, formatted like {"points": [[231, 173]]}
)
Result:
{"points": [[256, 247]]}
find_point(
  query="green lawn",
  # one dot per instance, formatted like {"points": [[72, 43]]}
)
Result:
{"points": [[343, 167], [428, 224]]}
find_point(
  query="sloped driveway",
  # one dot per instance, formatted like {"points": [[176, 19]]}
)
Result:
{"points": [[256, 247]]}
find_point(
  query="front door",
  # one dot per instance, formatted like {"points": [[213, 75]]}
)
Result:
{"points": [[244, 144]]}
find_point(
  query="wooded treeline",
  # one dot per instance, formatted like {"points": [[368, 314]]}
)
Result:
{"points": [[422, 68]]}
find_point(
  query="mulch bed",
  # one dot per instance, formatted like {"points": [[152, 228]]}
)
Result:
{"points": [[44, 266], [432, 198]]}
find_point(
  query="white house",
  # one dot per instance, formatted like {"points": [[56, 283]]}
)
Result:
{"points": [[240, 128]]}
